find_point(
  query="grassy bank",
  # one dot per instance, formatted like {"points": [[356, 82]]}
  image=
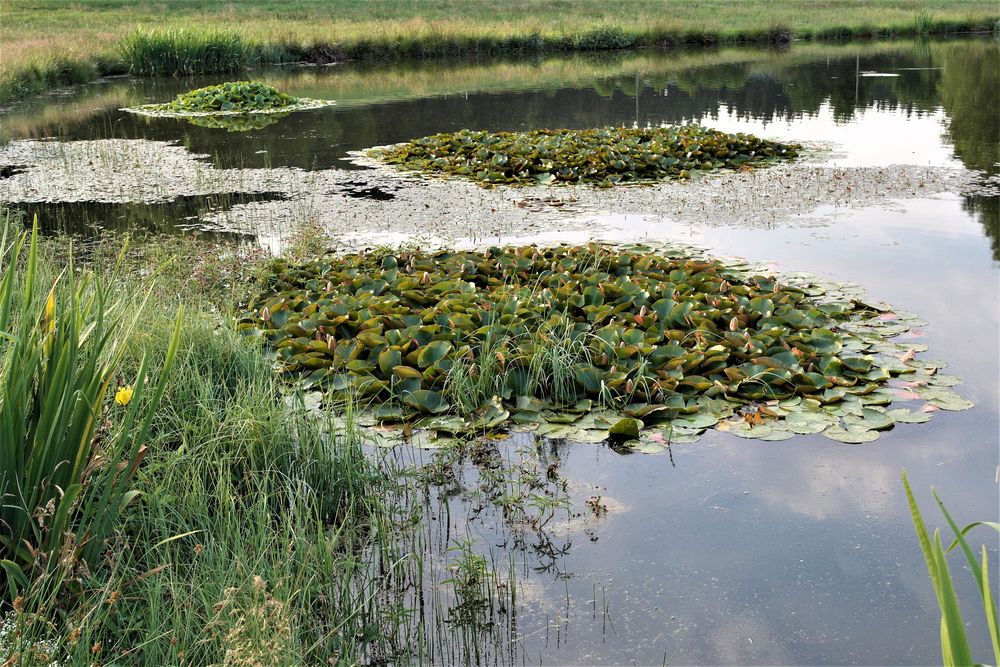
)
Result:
{"points": [[242, 530], [47, 44]]}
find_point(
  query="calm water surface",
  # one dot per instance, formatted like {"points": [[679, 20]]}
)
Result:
{"points": [[728, 550]]}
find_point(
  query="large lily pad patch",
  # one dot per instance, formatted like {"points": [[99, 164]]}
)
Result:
{"points": [[594, 342], [604, 156], [236, 106]]}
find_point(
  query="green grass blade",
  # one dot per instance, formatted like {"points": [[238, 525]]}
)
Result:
{"points": [[978, 570], [922, 537], [969, 556], [954, 645], [965, 531], [990, 609], [953, 627]]}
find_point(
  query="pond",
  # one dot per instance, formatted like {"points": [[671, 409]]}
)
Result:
{"points": [[723, 551]]}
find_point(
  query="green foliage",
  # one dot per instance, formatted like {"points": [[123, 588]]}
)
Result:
{"points": [[605, 156], [38, 77], [954, 643], [234, 96], [186, 52], [60, 498], [562, 331]]}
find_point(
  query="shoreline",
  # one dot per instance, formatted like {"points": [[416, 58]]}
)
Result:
{"points": [[167, 52]]}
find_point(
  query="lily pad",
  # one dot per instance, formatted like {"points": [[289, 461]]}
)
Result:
{"points": [[850, 437], [625, 429], [870, 420]]}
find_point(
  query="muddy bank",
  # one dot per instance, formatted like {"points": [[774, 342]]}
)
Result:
{"points": [[380, 205]]}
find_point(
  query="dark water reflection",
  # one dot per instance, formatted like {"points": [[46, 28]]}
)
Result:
{"points": [[729, 551]]}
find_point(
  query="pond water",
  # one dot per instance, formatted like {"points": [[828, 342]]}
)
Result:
{"points": [[727, 550]]}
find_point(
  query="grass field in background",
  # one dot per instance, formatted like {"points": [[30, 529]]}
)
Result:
{"points": [[46, 43]]}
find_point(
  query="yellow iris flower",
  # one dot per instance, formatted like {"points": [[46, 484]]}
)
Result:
{"points": [[124, 395]]}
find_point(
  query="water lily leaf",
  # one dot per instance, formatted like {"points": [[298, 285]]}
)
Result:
{"points": [[529, 404], [698, 420], [741, 428], [389, 359], [870, 420], [433, 352], [904, 416], [646, 447], [432, 440], [391, 412], [943, 380], [805, 423], [446, 424], [850, 437], [426, 400], [879, 397], [677, 436], [489, 415], [561, 417], [588, 436], [405, 373], [644, 410], [625, 429], [947, 400], [776, 435]]}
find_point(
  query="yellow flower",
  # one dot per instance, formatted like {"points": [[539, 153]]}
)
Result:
{"points": [[123, 395]]}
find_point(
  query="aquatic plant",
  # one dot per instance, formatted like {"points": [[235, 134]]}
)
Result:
{"points": [[471, 340], [236, 106], [236, 96], [186, 52], [67, 459], [605, 156], [954, 642]]}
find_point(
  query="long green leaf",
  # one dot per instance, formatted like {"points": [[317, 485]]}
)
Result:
{"points": [[953, 627], [978, 570], [990, 607]]}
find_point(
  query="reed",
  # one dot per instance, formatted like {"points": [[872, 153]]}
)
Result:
{"points": [[184, 52], [60, 497], [954, 642]]}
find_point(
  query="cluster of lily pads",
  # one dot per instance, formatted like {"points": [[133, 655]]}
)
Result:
{"points": [[603, 156], [592, 342], [237, 96], [236, 106]]}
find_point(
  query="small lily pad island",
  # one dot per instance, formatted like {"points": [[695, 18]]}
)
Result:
{"points": [[236, 106], [572, 340]]}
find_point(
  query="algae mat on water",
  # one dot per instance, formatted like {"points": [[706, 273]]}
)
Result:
{"points": [[571, 341], [604, 157]]}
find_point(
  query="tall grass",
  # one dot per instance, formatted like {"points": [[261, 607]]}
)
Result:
{"points": [[954, 643], [54, 71], [67, 458], [185, 52]]}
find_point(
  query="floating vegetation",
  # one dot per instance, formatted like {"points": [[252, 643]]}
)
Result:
{"points": [[237, 96], [605, 156], [588, 342], [236, 106]]}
